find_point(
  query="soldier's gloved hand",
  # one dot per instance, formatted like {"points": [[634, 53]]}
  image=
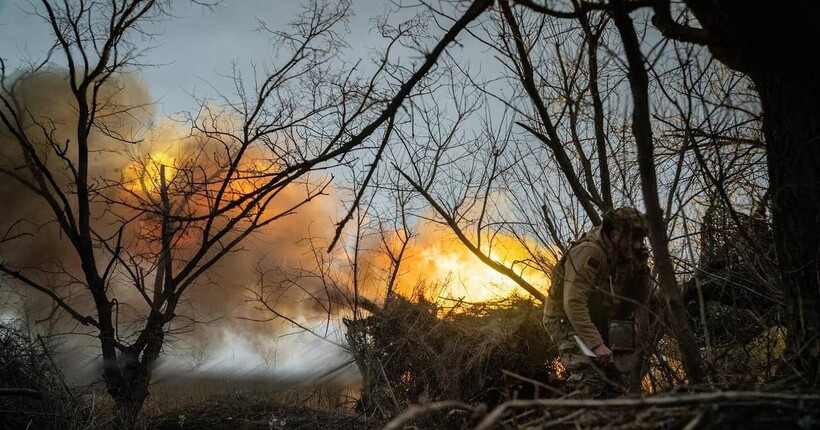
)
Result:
{"points": [[603, 354]]}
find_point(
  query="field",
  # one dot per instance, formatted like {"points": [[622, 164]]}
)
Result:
{"points": [[243, 403]]}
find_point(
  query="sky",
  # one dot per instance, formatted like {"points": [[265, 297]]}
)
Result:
{"points": [[190, 52], [193, 48], [193, 51]]}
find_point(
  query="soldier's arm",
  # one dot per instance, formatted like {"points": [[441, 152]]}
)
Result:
{"points": [[583, 266]]}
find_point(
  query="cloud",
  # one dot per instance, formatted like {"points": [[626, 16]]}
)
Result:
{"points": [[43, 252], [286, 261]]}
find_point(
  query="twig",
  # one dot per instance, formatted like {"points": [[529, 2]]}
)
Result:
{"points": [[670, 400], [693, 424], [389, 387], [568, 417], [496, 414], [416, 411], [54, 365], [536, 384]]}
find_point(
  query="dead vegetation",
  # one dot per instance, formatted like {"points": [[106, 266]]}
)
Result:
{"points": [[708, 410], [488, 366], [419, 351], [33, 394], [251, 413], [433, 366]]}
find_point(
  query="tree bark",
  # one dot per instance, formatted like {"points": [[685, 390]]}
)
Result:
{"points": [[135, 372], [777, 44], [792, 128]]}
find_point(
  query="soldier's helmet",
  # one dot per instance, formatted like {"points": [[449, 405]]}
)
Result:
{"points": [[626, 219]]}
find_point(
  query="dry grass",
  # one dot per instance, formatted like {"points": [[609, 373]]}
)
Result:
{"points": [[416, 352], [225, 403], [251, 413], [181, 402], [26, 363]]}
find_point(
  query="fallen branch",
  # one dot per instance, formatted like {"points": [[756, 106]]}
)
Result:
{"points": [[416, 411], [655, 401]]}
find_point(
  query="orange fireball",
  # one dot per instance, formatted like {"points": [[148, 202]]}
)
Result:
{"points": [[439, 258]]}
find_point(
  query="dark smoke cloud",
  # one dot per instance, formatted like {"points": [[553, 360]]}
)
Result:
{"points": [[48, 107], [221, 297]]}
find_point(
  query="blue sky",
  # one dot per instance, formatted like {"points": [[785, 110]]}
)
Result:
{"points": [[193, 48]]}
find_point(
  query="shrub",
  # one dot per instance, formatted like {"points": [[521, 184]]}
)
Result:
{"points": [[34, 394]]}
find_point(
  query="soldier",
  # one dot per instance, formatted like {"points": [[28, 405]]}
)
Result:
{"points": [[596, 288]]}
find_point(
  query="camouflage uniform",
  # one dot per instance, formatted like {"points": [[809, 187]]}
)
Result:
{"points": [[583, 300]]}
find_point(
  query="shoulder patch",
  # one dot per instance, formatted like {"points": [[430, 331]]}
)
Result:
{"points": [[593, 262]]}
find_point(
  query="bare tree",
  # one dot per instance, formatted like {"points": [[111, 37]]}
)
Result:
{"points": [[144, 234], [571, 73], [775, 46], [96, 42], [547, 137]]}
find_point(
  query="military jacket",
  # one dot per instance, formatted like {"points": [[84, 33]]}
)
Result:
{"points": [[597, 287]]}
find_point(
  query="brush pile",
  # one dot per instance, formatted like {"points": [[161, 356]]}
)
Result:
{"points": [[670, 410], [414, 352]]}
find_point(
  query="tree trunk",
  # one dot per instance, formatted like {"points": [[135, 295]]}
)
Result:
{"points": [[135, 372], [131, 395], [792, 130], [127, 411], [777, 44], [642, 130]]}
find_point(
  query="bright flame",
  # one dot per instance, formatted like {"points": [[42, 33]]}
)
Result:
{"points": [[144, 176], [436, 257], [443, 260]]}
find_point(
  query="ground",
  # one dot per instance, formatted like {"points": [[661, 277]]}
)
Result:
{"points": [[246, 413]]}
